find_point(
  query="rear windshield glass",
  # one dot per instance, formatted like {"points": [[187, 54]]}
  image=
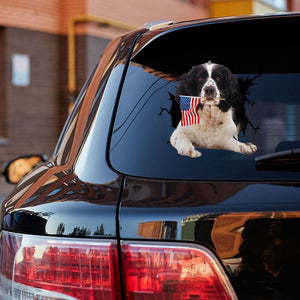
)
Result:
{"points": [[201, 103]]}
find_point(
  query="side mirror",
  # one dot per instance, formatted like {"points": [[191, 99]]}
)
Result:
{"points": [[15, 169]]}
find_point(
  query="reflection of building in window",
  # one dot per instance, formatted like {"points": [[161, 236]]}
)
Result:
{"points": [[291, 122], [273, 130], [225, 231], [280, 125]]}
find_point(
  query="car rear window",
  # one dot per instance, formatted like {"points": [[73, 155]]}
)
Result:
{"points": [[265, 66]]}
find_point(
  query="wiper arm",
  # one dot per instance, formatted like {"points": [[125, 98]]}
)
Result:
{"points": [[288, 160]]}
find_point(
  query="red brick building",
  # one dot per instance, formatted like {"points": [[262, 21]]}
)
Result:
{"points": [[34, 56]]}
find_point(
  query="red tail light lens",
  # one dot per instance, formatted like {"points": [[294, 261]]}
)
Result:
{"points": [[164, 271], [34, 267], [45, 268]]}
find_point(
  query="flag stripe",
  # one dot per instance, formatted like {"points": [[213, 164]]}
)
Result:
{"points": [[189, 114]]}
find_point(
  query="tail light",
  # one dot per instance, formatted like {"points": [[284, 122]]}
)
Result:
{"points": [[173, 271], [34, 267]]}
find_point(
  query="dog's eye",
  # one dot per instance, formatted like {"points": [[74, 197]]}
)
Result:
{"points": [[201, 78], [218, 78]]}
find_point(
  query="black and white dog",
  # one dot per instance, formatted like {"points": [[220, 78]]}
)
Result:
{"points": [[220, 112]]}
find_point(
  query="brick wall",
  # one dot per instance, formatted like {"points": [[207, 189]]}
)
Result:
{"points": [[40, 15], [137, 12], [294, 5], [32, 112], [53, 15], [88, 52], [31, 117], [2, 88]]}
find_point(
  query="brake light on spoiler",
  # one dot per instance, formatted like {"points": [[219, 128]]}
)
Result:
{"points": [[34, 267]]}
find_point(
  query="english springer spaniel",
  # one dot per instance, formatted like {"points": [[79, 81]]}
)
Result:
{"points": [[212, 112]]}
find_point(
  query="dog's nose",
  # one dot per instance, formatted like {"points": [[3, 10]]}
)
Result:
{"points": [[209, 90]]}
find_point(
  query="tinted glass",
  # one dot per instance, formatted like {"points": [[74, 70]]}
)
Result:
{"points": [[269, 82]]}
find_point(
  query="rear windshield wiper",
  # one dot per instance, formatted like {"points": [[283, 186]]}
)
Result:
{"points": [[287, 160]]}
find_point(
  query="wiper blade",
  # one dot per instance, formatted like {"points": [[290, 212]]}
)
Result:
{"points": [[288, 160]]}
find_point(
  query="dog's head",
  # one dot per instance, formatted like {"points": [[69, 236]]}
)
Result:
{"points": [[214, 83]]}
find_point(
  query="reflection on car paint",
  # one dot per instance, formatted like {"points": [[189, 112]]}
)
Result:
{"points": [[67, 206]]}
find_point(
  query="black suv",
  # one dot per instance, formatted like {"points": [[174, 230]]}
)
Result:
{"points": [[176, 175]]}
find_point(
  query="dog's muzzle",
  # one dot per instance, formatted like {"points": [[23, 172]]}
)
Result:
{"points": [[209, 92]]}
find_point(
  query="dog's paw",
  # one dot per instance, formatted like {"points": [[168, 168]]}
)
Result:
{"points": [[194, 154], [247, 148], [190, 152]]}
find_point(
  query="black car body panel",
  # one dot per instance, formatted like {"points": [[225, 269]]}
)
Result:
{"points": [[110, 177], [72, 208], [253, 228]]}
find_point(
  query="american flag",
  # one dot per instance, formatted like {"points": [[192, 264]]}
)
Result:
{"points": [[188, 107]]}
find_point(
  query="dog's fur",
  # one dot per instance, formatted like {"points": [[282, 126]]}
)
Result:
{"points": [[221, 111]]}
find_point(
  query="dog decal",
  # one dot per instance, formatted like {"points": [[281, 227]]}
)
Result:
{"points": [[212, 112]]}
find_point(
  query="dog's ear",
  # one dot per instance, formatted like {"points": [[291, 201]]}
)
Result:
{"points": [[231, 81], [233, 87], [188, 84], [231, 92], [237, 101]]}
